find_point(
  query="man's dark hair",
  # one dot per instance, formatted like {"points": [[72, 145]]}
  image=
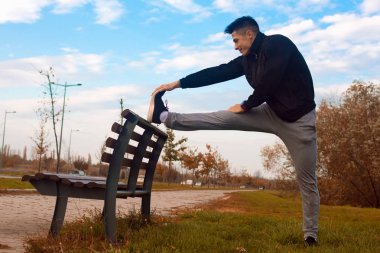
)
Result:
{"points": [[244, 22]]}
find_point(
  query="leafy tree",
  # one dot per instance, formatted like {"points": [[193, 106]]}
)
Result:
{"points": [[208, 163], [276, 159], [191, 160], [213, 165], [40, 140], [349, 146], [173, 149], [222, 172]]}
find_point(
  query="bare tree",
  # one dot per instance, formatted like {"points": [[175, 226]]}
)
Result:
{"points": [[173, 149], [89, 159], [24, 154], [100, 152], [50, 112]]}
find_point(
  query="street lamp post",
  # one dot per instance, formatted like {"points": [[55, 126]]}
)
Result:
{"points": [[2, 145], [63, 116], [68, 153]]}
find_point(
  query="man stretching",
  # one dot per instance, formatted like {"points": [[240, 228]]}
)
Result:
{"points": [[282, 103]]}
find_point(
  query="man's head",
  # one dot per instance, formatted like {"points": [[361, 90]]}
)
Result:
{"points": [[243, 31]]}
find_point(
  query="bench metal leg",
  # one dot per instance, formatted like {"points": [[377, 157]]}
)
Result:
{"points": [[110, 219], [59, 215], [145, 206]]}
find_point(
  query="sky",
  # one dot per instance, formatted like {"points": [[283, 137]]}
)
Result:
{"points": [[124, 49]]}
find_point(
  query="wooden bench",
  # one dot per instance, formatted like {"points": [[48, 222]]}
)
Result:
{"points": [[137, 148]]}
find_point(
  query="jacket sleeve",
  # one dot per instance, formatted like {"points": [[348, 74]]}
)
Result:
{"points": [[272, 65], [208, 76]]}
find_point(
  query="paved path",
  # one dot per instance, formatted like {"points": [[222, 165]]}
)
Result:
{"points": [[30, 214]]}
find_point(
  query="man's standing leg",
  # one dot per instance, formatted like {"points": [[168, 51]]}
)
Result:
{"points": [[299, 137], [301, 140]]}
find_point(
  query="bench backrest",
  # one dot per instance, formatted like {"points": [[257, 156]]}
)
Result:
{"points": [[137, 147]]}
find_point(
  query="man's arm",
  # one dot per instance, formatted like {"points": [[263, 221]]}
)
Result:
{"points": [[167, 87], [217, 74], [221, 73]]}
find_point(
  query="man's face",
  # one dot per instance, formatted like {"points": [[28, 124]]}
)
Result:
{"points": [[243, 40]]}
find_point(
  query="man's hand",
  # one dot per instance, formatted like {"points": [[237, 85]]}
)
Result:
{"points": [[167, 87], [236, 108]]}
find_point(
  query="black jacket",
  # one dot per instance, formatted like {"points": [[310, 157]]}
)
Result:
{"points": [[277, 72]]}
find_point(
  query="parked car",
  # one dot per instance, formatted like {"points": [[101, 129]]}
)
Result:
{"points": [[78, 172]]}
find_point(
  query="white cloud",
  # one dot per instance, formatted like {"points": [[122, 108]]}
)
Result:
{"points": [[289, 7], [336, 44], [74, 63], [65, 6], [21, 72], [69, 50], [148, 59], [108, 11], [103, 94], [226, 5], [311, 5], [216, 37], [352, 27], [87, 110], [331, 90], [26, 11], [295, 28], [152, 20], [180, 58], [370, 6], [21, 11], [187, 7], [186, 58]]}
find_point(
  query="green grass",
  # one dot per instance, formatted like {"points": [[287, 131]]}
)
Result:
{"points": [[246, 222], [13, 173], [14, 183]]}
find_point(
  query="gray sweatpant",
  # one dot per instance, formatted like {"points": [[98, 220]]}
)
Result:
{"points": [[299, 137]]}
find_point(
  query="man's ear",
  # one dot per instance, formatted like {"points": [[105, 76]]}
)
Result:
{"points": [[249, 33]]}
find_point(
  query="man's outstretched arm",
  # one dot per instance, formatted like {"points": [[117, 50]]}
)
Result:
{"points": [[167, 87]]}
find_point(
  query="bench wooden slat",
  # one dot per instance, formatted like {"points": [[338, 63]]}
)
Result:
{"points": [[111, 143], [117, 128], [126, 162], [40, 175]]}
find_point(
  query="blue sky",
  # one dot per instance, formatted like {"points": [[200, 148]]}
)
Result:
{"points": [[123, 49]]}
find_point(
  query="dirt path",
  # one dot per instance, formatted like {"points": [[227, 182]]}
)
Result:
{"points": [[30, 214]]}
